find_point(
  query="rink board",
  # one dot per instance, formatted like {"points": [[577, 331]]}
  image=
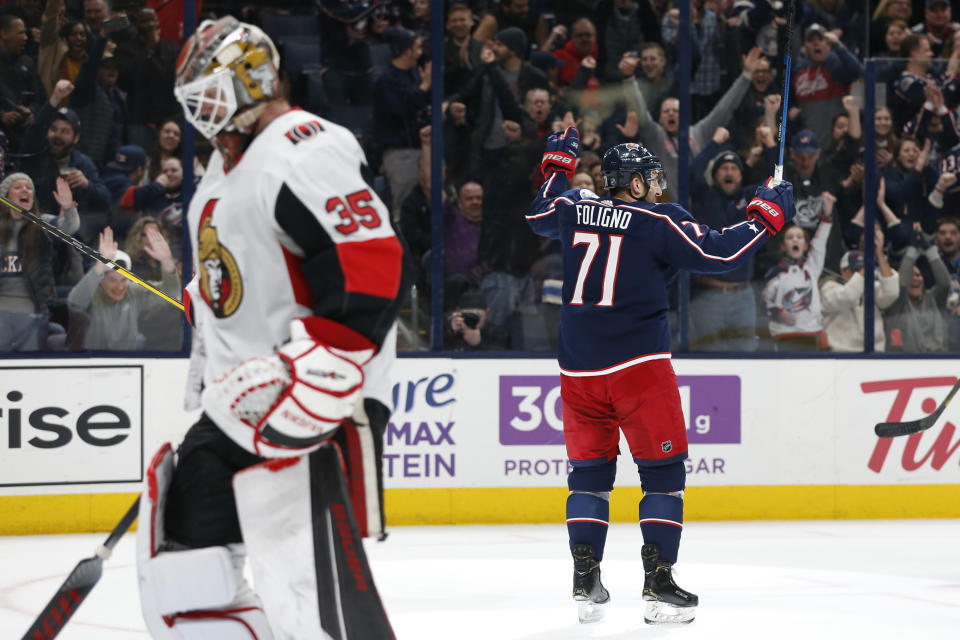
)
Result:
{"points": [[480, 441]]}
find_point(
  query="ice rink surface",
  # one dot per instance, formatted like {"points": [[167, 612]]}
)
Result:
{"points": [[776, 580]]}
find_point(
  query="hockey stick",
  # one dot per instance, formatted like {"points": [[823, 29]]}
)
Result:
{"points": [[79, 246], [893, 429], [78, 584], [778, 170]]}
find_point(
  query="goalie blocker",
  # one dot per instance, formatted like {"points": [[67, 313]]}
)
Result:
{"points": [[292, 517]]}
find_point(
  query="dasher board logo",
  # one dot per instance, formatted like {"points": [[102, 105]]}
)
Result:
{"points": [[71, 425], [531, 411]]}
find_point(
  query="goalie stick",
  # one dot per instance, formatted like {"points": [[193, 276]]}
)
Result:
{"points": [[893, 429], [79, 246], [78, 584]]}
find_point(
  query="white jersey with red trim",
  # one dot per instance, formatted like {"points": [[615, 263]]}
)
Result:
{"points": [[292, 230]]}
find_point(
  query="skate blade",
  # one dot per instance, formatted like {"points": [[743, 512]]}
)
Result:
{"points": [[589, 611], [665, 613]]}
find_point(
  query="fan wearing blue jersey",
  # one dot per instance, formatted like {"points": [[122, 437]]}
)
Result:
{"points": [[619, 256]]}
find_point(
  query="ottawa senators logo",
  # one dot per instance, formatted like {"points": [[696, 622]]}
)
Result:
{"points": [[221, 286]]}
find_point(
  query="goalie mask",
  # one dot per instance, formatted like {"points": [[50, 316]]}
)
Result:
{"points": [[622, 161], [226, 73]]}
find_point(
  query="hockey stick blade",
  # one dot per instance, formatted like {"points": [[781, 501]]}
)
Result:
{"points": [[78, 585], [894, 429]]}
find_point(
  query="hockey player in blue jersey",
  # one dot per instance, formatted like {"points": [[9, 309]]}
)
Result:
{"points": [[619, 257]]}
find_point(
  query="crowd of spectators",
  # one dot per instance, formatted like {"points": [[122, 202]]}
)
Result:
{"points": [[89, 141], [87, 103]]}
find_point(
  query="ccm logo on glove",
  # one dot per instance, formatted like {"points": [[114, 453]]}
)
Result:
{"points": [[559, 157], [771, 209]]}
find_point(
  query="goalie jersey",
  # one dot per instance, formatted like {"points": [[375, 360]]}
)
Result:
{"points": [[618, 261], [292, 230]]}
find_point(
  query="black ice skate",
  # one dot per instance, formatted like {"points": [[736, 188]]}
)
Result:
{"points": [[666, 602], [587, 589]]}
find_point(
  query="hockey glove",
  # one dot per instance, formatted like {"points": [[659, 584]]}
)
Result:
{"points": [[560, 153], [298, 396], [772, 206]]}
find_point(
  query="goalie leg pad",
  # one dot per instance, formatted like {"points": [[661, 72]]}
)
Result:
{"points": [[194, 594], [307, 556]]}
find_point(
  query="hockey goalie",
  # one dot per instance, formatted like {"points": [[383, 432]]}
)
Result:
{"points": [[298, 271]]}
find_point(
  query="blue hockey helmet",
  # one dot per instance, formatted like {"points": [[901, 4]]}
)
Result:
{"points": [[622, 161]]}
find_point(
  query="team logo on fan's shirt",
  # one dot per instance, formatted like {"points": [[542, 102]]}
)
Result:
{"points": [[221, 286]]}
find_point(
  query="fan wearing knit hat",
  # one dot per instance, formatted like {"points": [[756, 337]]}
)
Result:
{"points": [[514, 39], [18, 188], [725, 172], [26, 264]]}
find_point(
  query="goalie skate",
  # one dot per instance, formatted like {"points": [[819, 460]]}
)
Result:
{"points": [[666, 602], [588, 592]]}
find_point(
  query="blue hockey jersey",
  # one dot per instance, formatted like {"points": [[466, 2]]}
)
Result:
{"points": [[618, 261]]}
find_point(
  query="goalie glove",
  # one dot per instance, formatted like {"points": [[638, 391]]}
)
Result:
{"points": [[560, 153], [772, 206], [295, 399]]}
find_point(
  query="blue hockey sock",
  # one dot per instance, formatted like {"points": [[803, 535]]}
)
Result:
{"points": [[588, 518], [661, 522]]}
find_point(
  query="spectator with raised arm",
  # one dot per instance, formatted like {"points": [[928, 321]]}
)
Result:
{"points": [[51, 141], [99, 104], [915, 322], [844, 18], [907, 94], [27, 286], [723, 305], [758, 154], [935, 124], [843, 300], [660, 136], [821, 77], [581, 50], [111, 304], [791, 294], [896, 231], [756, 104], [846, 139], [493, 97], [655, 79]]}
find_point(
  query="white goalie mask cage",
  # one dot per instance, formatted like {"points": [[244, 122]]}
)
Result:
{"points": [[226, 70]]}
